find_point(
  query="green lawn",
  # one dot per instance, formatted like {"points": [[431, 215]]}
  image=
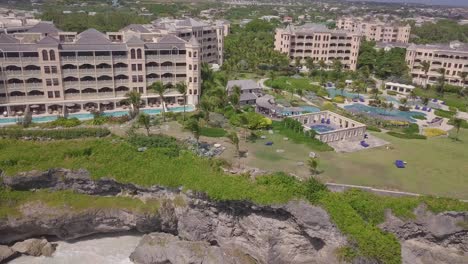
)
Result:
{"points": [[451, 99], [436, 166], [286, 83]]}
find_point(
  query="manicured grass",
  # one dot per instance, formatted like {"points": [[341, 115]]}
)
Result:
{"points": [[301, 138], [436, 166], [443, 113], [212, 132], [451, 99]]}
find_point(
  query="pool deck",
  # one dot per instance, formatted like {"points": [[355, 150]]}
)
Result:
{"points": [[354, 145]]}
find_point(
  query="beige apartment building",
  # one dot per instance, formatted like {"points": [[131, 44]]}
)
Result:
{"points": [[376, 30], [319, 43], [52, 71], [210, 35], [452, 57]]}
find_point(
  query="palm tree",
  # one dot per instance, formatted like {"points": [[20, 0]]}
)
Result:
{"points": [[235, 141], [425, 67], [159, 88], [425, 101], [404, 101], [310, 64], [457, 123], [322, 64], [412, 95], [297, 61], [375, 92], [300, 92], [313, 166], [463, 76], [145, 120], [441, 81], [133, 98], [182, 88], [193, 126], [341, 86], [205, 106]]}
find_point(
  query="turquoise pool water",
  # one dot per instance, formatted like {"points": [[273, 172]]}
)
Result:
{"points": [[86, 116], [310, 109], [384, 114], [322, 128], [390, 98], [332, 92]]}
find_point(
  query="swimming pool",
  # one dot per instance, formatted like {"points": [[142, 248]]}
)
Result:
{"points": [[310, 109], [332, 92], [86, 116], [322, 128], [383, 113]]}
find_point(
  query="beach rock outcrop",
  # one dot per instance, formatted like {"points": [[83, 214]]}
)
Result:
{"points": [[6, 254], [34, 247]]}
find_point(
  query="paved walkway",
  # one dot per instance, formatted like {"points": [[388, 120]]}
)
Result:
{"points": [[354, 145]]}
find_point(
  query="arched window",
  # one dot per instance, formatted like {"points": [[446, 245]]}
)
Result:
{"points": [[190, 91], [52, 55], [195, 79], [190, 79], [45, 55], [190, 54], [190, 66], [139, 54], [132, 53], [195, 91], [194, 54]]}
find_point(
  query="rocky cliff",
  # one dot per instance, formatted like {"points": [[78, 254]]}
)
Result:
{"points": [[234, 231], [190, 228]]}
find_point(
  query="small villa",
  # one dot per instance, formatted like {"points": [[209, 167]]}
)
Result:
{"points": [[332, 127], [399, 87], [249, 91], [266, 105]]}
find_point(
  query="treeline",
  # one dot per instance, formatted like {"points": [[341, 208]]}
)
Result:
{"points": [[104, 22], [383, 64], [442, 32]]}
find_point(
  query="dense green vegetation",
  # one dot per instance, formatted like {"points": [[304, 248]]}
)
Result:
{"points": [[453, 99], [77, 22], [442, 31], [67, 133], [383, 64], [443, 113], [410, 132], [251, 48]]}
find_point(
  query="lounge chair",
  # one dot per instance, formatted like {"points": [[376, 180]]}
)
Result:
{"points": [[366, 136], [417, 107], [322, 121], [424, 108], [429, 109], [400, 164], [269, 143], [361, 100], [328, 121], [364, 144], [434, 100]]}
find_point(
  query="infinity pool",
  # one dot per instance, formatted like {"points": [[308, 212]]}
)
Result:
{"points": [[332, 92], [322, 128], [310, 109], [86, 116], [383, 113]]}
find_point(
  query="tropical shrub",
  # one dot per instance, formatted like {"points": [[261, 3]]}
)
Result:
{"points": [[434, 132], [168, 146], [212, 132], [64, 122], [338, 99], [68, 133], [444, 113]]}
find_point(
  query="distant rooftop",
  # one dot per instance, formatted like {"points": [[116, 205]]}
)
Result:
{"points": [[243, 84], [452, 46]]}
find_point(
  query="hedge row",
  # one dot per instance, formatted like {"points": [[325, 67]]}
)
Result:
{"points": [[68, 133], [406, 136]]}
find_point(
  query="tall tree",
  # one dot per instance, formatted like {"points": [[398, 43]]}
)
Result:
{"points": [[145, 121], [440, 82], [133, 98], [310, 64], [297, 61], [182, 89], [425, 67], [457, 123], [313, 166], [463, 76], [194, 127], [159, 88], [235, 141]]}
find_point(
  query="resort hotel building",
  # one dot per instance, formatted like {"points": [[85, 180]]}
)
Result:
{"points": [[319, 43], [376, 30], [51, 71], [452, 57]]}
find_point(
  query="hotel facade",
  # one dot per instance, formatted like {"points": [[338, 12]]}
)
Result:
{"points": [[51, 71], [319, 43], [452, 57], [376, 30]]}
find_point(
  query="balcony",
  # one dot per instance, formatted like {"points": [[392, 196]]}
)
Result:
{"points": [[70, 84], [14, 73], [121, 93], [105, 83], [120, 58], [89, 59], [122, 82], [87, 84], [68, 59], [33, 85], [15, 60], [181, 69], [72, 96], [72, 72], [102, 58], [15, 86], [30, 59], [121, 70], [104, 70], [150, 81], [92, 71], [31, 73]]}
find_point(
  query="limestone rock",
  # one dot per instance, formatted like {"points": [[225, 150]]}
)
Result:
{"points": [[34, 247], [6, 253]]}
